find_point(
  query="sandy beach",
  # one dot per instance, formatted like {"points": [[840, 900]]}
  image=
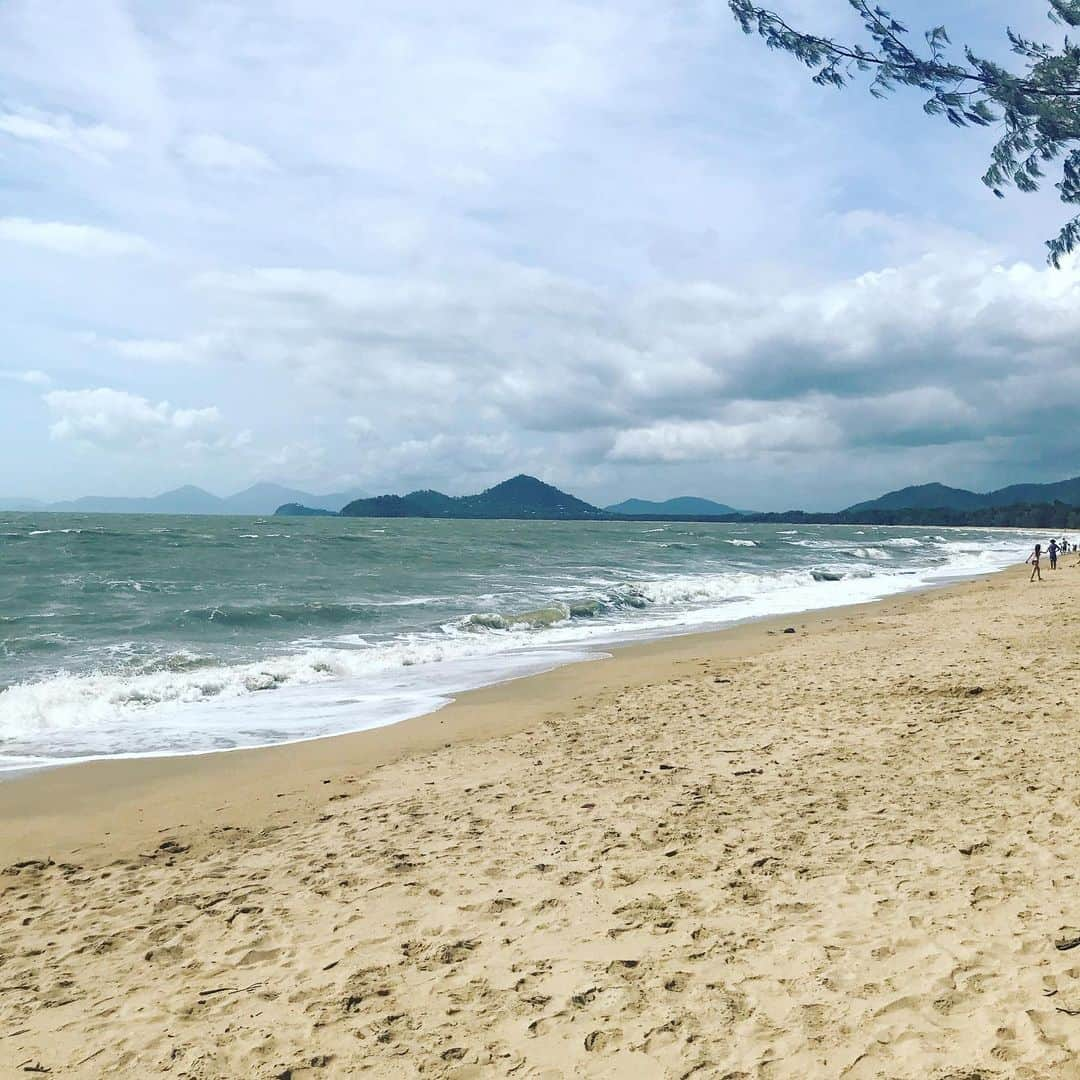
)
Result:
{"points": [[848, 851]]}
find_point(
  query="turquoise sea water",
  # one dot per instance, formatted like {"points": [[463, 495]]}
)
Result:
{"points": [[149, 635]]}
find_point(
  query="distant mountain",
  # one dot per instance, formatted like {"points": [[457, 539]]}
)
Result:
{"points": [[519, 497], [256, 500], [525, 496], [182, 500], [938, 497], [685, 504], [266, 498], [14, 503]]}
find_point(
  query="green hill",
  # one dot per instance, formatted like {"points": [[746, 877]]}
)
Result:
{"points": [[922, 497], [938, 496], [520, 497], [1066, 491]]}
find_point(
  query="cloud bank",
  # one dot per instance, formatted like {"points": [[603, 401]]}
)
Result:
{"points": [[117, 421], [616, 245]]}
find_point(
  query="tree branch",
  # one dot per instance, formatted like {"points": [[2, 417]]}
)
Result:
{"points": [[1039, 109]]}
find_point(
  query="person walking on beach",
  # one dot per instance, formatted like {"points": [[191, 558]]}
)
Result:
{"points": [[1052, 551], [1033, 558]]}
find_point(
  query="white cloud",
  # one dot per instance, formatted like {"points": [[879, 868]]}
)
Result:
{"points": [[117, 420], [618, 230], [303, 459], [62, 131], [360, 426], [154, 350], [216, 153], [68, 239], [191, 350], [439, 458], [30, 378]]}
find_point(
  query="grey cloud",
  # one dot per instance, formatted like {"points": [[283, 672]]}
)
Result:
{"points": [[604, 242], [925, 353]]}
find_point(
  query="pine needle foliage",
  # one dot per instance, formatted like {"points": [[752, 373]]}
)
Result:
{"points": [[1036, 108]]}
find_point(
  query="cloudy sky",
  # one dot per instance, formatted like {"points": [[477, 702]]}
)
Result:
{"points": [[615, 244]]}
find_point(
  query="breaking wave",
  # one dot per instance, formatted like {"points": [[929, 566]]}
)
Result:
{"points": [[338, 665]]}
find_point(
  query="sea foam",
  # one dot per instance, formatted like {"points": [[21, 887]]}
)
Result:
{"points": [[185, 700]]}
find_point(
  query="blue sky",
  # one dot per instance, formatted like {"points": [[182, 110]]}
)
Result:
{"points": [[617, 245]]}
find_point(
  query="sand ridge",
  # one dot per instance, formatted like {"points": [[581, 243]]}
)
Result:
{"points": [[852, 855]]}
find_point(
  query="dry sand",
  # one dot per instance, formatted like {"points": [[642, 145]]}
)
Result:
{"points": [[852, 851]]}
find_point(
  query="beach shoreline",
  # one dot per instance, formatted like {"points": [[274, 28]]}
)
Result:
{"points": [[134, 659], [525, 662], [123, 800], [844, 851]]}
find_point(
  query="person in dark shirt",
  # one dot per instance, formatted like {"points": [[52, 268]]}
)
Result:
{"points": [[1052, 551]]}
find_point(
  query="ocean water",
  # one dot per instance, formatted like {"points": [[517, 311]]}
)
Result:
{"points": [[146, 635]]}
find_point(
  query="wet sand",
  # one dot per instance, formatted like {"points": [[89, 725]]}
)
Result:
{"points": [[851, 851]]}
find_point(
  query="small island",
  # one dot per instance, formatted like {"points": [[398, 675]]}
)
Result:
{"points": [[298, 510]]}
